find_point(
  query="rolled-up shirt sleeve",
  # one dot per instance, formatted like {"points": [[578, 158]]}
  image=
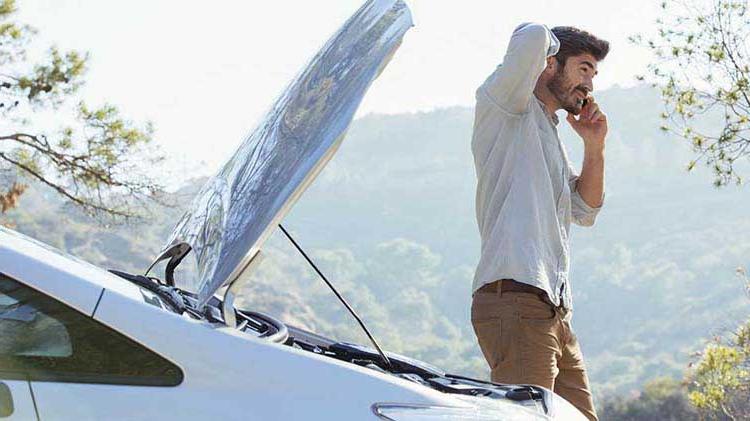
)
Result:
{"points": [[583, 214]]}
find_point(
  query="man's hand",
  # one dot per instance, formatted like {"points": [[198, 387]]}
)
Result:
{"points": [[591, 124]]}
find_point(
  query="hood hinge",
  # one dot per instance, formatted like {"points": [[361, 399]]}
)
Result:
{"points": [[233, 289]]}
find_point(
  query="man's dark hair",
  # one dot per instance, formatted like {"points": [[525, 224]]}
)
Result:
{"points": [[574, 41]]}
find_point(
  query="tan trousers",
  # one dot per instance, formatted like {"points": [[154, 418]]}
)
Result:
{"points": [[527, 341]]}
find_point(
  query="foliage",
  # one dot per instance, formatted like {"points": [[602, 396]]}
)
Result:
{"points": [[721, 379], [101, 162], [703, 69], [10, 198]]}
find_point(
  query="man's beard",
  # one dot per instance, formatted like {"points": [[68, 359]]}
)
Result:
{"points": [[564, 92]]}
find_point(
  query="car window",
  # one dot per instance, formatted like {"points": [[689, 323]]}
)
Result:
{"points": [[25, 331], [44, 339]]}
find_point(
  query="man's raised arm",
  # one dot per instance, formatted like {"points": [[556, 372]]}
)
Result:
{"points": [[511, 86]]}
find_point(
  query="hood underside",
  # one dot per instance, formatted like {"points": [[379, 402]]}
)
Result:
{"points": [[238, 208]]}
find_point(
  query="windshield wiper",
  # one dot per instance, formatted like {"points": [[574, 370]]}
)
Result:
{"points": [[166, 293], [338, 295]]}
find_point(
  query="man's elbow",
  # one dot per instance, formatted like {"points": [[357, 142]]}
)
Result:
{"points": [[583, 214], [531, 37]]}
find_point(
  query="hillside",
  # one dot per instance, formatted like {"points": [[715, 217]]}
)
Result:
{"points": [[391, 222]]}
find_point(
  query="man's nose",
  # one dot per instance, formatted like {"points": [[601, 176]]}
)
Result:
{"points": [[588, 83]]}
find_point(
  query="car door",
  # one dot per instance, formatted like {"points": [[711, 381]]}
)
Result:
{"points": [[71, 364]]}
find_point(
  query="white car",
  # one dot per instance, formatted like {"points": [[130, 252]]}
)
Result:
{"points": [[81, 343]]}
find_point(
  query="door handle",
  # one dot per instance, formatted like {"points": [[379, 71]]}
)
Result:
{"points": [[6, 401]]}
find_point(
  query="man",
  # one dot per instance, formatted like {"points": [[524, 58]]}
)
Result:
{"points": [[527, 196]]}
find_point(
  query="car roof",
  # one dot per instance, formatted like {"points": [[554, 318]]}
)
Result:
{"points": [[62, 276]]}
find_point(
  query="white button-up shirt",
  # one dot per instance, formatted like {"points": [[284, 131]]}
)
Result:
{"points": [[526, 187]]}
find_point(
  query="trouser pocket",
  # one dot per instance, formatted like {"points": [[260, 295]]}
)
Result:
{"points": [[530, 308], [489, 333]]}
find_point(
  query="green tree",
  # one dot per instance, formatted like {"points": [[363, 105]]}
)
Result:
{"points": [[703, 70], [721, 378], [100, 161]]}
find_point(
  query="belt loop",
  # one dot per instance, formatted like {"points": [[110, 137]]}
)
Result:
{"points": [[499, 288]]}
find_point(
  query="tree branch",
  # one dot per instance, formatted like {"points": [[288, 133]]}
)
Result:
{"points": [[64, 192]]}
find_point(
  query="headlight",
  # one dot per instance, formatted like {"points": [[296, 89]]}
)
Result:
{"points": [[414, 412]]}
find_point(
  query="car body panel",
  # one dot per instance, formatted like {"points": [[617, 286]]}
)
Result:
{"points": [[217, 361], [51, 271], [237, 209], [221, 366], [203, 351]]}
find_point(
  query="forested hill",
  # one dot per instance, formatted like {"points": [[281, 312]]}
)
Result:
{"points": [[391, 221]]}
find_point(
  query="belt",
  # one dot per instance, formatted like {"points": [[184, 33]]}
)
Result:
{"points": [[509, 285]]}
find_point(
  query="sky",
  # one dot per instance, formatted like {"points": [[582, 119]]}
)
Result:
{"points": [[206, 72]]}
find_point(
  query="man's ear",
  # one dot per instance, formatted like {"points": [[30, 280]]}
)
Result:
{"points": [[552, 64]]}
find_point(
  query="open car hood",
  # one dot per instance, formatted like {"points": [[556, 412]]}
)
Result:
{"points": [[238, 208]]}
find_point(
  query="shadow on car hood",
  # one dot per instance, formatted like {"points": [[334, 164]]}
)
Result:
{"points": [[238, 208]]}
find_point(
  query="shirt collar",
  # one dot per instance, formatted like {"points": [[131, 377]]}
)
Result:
{"points": [[552, 117]]}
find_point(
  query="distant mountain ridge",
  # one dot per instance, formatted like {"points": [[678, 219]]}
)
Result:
{"points": [[391, 221]]}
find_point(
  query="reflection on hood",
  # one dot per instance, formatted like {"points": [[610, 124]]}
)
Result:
{"points": [[236, 211]]}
